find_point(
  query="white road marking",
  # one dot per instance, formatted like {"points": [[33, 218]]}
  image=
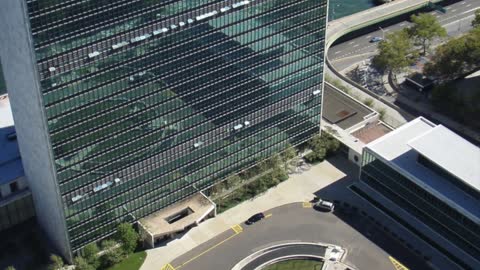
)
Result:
{"points": [[402, 24], [369, 36], [462, 3], [338, 52], [453, 10], [469, 5], [470, 10], [351, 42], [356, 45]]}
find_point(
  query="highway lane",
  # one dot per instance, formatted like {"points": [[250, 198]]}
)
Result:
{"points": [[457, 20]]}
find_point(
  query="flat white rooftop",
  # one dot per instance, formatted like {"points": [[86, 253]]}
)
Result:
{"points": [[6, 117], [451, 152], [402, 146]]}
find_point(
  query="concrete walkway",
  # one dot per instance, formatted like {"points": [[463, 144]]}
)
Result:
{"points": [[299, 187]]}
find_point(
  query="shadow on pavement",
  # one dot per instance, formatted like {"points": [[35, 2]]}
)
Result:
{"points": [[367, 220]]}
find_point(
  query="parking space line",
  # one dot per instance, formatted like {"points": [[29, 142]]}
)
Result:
{"points": [[168, 267], [397, 264], [237, 229], [307, 205]]}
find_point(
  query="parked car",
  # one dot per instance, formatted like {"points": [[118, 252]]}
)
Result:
{"points": [[255, 218], [376, 39], [324, 205]]}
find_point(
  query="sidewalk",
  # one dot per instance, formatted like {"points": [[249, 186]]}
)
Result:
{"points": [[299, 187]]}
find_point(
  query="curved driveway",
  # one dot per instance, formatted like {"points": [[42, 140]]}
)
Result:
{"points": [[285, 251], [288, 223]]}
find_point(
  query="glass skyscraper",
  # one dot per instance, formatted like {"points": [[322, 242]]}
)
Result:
{"points": [[143, 103]]}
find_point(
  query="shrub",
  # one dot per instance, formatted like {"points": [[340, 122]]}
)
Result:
{"points": [[90, 254]]}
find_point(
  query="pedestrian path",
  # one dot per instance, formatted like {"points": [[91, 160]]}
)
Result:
{"points": [[299, 187]]}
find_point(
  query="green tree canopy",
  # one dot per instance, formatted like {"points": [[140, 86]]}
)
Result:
{"points": [[456, 57], [128, 237], [90, 254], [56, 262], [10, 268], [395, 53], [425, 29], [476, 20], [112, 255], [82, 264]]}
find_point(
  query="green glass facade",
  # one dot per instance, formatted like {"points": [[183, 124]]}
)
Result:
{"points": [[150, 101], [442, 219]]}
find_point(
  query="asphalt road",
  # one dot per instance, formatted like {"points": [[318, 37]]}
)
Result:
{"points": [[285, 251], [288, 223], [456, 20]]}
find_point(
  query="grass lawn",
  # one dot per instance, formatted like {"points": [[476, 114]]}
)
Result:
{"points": [[133, 262], [296, 265]]}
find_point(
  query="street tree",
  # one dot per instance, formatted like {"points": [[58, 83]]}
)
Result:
{"points": [[476, 20], [395, 53], [456, 57], [128, 237], [425, 29], [10, 268]]}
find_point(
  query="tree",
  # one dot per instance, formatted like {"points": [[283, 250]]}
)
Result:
{"points": [[425, 29], [10, 268], [56, 262], [395, 53], [476, 20], [322, 146], [90, 254], [128, 237], [112, 255], [456, 57], [82, 264]]}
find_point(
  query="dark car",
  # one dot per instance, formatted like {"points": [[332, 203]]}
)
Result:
{"points": [[255, 218]]}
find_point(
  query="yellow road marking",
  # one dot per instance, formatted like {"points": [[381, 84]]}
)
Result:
{"points": [[201, 254], [168, 267], [269, 215], [237, 228], [307, 204], [397, 264]]}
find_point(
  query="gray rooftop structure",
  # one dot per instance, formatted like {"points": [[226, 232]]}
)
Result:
{"points": [[449, 151], [342, 110]]}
